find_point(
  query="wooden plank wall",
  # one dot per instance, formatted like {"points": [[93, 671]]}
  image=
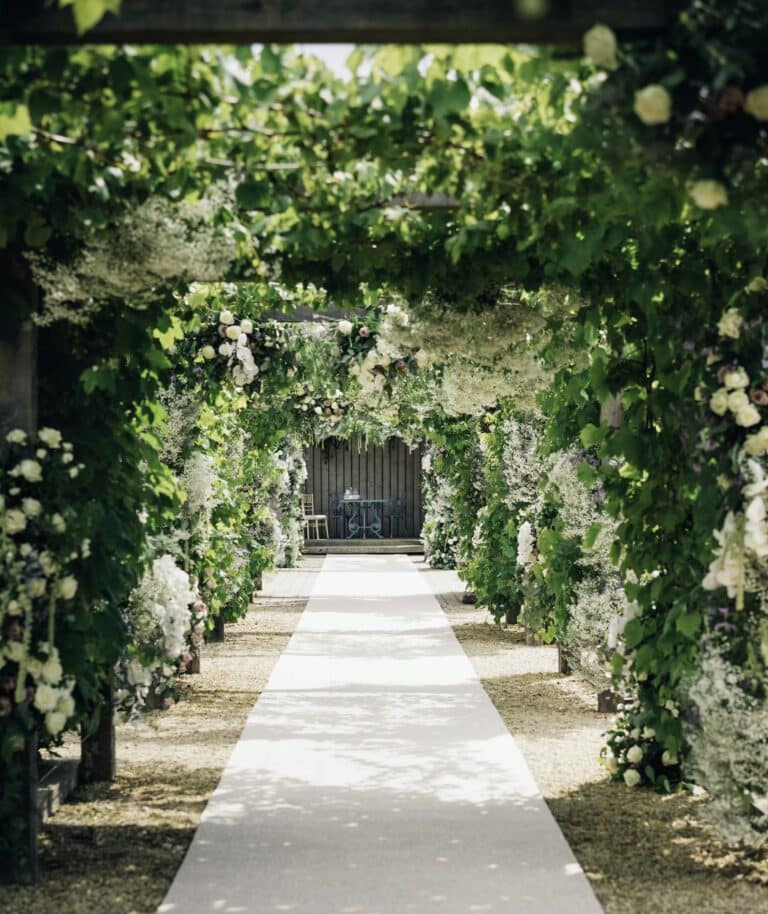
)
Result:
{"points": [[377, 471]]}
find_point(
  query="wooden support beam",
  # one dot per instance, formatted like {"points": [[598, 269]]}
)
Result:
{"points": [[22, 824], [18, 380], [367, 21]]}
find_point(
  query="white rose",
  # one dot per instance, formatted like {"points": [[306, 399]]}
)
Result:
{"points": [[51, 670], [600, 47], [631, 777], [67, 457], [648, 733], [41, 453], [246, 325], [31, 507], [634, 755], [208, 353], [756, 103], [730, 323], [240, 376], [54, 722], [14, 608], [708, 194], [611, 764], [225, 349], [74, 472], [653, 104], [718, 402], [667, 758], [748, 416], [736, 378], [36, 587], [31, 470], [233, 332], [46, 698], [226, 317], [758, 284], [15, 521], [14, 651], [737, 400], [16, 436], [59, 524], [67, 587], [66, 705], [345, 327], [756, 445], [50, 436]]}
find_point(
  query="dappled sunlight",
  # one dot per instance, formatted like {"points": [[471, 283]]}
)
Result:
{"points": [[374, 775]]}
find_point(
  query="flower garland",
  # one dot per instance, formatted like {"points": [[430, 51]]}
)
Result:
{"points": [[40, 554]]}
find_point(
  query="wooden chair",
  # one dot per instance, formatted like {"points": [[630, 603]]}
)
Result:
{"points": [[313, 523]]}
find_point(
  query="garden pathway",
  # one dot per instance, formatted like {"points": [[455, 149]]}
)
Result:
{"points": [[374, 775]]}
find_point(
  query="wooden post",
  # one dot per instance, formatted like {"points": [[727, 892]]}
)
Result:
{"points": [[607, 702], [21, 865], [18, 380], [563, 667], [97, 749]]}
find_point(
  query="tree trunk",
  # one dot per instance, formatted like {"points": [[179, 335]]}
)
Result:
{"points": [[216, 634], [563, 666], [98, 761]]}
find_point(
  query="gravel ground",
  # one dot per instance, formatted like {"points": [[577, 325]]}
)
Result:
{"points": [[644, 853], [116, 847]]}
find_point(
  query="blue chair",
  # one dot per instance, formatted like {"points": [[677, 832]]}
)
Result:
{"points": [[396, 513]]}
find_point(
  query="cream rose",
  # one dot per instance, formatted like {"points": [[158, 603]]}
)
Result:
{"points": [[15, 521], [635, 755], [225, 349], [46, 698], [756, 103], [59, 524], [51, 670], [16, 436], [748, 416], [631, 777], [67, 587], [345, 327], [667, 758], [233, 332], [600, 47], [736, 378], [730, 323], [50, 436], [718, 402], [54, 722], [226, 317], [31, 470], [708, 194], [653, 104], [31, 507], [208, 353], [756, 445], [246, 326], [737, 400], [66, 705]]}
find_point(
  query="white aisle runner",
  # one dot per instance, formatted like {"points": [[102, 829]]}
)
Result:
{"points": [[374, 775]]}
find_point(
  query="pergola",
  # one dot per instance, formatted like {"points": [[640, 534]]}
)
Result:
{"points": [[369, 21]]}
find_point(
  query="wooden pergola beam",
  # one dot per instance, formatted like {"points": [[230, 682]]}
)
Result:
{"points": [[366, 21]]}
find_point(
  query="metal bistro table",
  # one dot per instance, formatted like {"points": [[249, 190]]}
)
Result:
{"points": [[363, 514]]}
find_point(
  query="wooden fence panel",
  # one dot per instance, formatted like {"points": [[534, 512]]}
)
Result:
{"points": [[376, 471]]}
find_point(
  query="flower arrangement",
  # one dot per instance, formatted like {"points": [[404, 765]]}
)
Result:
{"points": [[41, 551]]}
